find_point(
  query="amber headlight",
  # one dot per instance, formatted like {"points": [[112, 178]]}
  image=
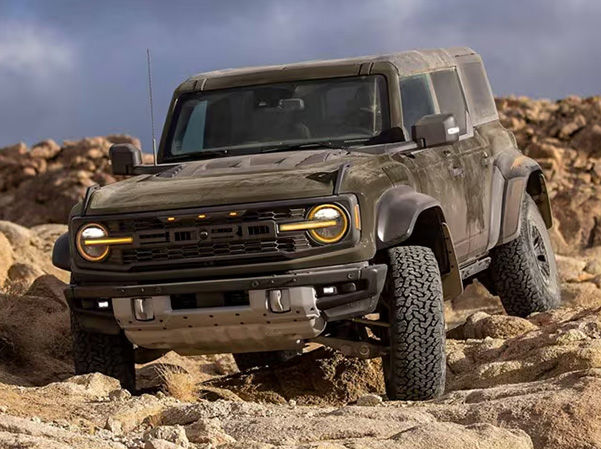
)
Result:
{"points": [[334, 221], [90, 242]]}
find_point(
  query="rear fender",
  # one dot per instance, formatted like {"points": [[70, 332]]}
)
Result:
{"points": [[522, 175]]}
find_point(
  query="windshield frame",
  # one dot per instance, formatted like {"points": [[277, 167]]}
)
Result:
{"points": [[166, 157]]}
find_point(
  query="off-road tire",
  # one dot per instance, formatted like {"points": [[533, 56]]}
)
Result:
{"points": [[249, 360], [112, 355], [415, 367], [523, 271]]}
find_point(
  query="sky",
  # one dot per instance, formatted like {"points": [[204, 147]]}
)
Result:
{"points": [[76, 68]]}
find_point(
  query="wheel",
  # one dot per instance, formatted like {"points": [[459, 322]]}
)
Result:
{"points": [[412, 301], [112, 355], [523, 271], [250, 360]]}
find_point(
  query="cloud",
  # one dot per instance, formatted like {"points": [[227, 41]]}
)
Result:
{"points": [[30, 51], [74, 68]]}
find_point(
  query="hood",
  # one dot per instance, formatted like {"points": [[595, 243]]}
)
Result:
{"points": [[231, 180]]}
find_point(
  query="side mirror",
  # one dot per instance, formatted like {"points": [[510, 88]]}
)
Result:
{"points": [[436, 129], [125, 158]]}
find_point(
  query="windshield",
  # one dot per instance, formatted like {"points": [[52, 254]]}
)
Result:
{"points": [[338, 111]]}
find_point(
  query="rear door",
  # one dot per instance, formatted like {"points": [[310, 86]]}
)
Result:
{"points": [[440, 170]]}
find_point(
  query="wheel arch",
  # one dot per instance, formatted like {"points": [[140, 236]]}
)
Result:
{"points": [[61, 253], [406, 217], [522, 176]]}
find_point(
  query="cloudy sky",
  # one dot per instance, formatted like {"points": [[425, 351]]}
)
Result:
{"points": [[75, 68]]}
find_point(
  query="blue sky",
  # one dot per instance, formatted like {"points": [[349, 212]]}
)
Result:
{"points": [[75, 68]]}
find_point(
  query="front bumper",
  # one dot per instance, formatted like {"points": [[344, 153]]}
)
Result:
{"points": [[241, 328]]}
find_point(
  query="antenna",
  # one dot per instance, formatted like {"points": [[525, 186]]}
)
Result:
{"points": [[154, 142]]}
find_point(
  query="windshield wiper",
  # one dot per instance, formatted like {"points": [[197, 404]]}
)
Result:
{"points": [[204, 154], [305, 145]]}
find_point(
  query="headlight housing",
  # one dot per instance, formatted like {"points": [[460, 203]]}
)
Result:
{"points": [[89, 242], [335, 218]]}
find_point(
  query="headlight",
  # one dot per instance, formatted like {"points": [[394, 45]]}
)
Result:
{"points": [[335, 223], [90, 242]]}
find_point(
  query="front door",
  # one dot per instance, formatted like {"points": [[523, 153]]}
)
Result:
{"points": [[441, 175]]}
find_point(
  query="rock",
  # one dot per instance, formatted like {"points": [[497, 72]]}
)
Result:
{"points": [[17, 235], [48, 287], [455, 436], [570, 269], [481, 325], [369, 400], [173, 434], [22, 433], [319, 377], [154, 443], [96, 384], [119, 395], [593, 266], [225, 364], [6, 258], [585, 294], [46, 149], [40, 186], [21, 276], [113, 425], [560, 341], [208, 431]]}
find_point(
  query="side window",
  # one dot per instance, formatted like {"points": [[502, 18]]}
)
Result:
{"points": [[450, 96], [416, 98], [478, 91]]}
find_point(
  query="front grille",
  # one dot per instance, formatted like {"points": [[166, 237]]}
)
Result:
{"points": [[220, 249], [214, 239]]}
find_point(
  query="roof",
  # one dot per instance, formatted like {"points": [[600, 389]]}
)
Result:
{"points": [[407, 63]]}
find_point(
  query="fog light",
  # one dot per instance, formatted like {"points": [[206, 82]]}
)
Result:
{"points": [[103, 304], [143, 310], [330, 290]]}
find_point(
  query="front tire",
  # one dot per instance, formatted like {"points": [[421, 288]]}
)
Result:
{"points": [[415, 367], [112, 355], [523, 271]]}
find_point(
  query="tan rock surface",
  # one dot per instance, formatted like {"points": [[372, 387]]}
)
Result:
{"points": [[512, 382]]}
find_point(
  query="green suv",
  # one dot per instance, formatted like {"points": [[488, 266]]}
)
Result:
{"points": [[338, 202]]}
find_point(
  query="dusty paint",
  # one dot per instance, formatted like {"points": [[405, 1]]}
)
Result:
{"points": [[459, 176]]}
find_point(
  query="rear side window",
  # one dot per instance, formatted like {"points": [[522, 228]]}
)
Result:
{"points": [[478, 92], [416, 99], [450, 96]]}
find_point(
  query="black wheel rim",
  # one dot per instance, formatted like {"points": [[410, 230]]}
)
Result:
{"points": [[540, 252]]}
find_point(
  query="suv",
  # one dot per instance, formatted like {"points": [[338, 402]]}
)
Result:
{"points": [[338, 202]]}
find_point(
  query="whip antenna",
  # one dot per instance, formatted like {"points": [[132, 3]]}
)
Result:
{"points": [[154, 142]]}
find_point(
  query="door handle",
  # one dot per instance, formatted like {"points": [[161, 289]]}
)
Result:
{"points": [[447, 152]]}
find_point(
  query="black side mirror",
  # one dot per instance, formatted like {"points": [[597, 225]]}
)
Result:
{"points": [[436, 129], [125, 158]]}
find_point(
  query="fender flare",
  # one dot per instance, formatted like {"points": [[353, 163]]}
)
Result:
{"points": [[522, 175], [404, 216], [61, 253]]}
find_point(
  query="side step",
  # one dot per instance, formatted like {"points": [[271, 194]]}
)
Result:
{"points": [[475, 268]]}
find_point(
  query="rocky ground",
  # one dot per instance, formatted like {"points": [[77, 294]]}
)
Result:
{"points": [[512, 382]]}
